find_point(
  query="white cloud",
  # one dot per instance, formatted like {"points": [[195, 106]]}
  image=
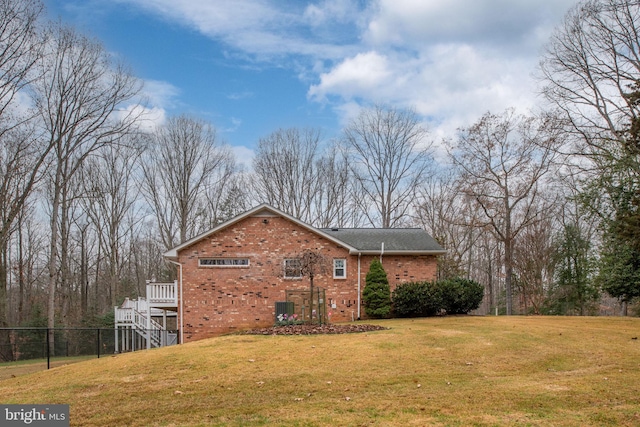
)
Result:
{"points": [[160, 94], [326, 11], [414, 23], [354, 77], [450, 85], [235, 125], [259, 27], [157, 97], [451, 60], [148, 118], [244, 156]]}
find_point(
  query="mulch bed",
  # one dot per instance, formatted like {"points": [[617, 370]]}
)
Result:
{"points": [[314, 329]]}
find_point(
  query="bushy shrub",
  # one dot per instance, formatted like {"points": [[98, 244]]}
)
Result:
{"points": [[460, 296], [416, 299], [452, 296], [376, 295]]}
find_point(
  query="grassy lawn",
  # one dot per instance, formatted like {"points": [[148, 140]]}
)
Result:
{"points": [[454, 371], [23, 367]]}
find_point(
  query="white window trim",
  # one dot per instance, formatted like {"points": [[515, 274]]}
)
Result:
{"points": [[233, 262], [344, 268], [284, 269]]}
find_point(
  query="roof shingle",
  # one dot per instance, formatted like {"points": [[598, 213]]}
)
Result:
{"points": [[394, 239]]}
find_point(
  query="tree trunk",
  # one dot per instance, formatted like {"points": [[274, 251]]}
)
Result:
{"points": [[84, 274], [3, 283], [508, 276], [21, 284], [6, 351], [65, 279], [53, 255], [311, 298]]}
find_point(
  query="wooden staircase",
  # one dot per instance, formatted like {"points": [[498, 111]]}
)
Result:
{"points": [[137, 322]]}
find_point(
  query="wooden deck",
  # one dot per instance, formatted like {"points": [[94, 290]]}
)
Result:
{"points": [[142, 322]]}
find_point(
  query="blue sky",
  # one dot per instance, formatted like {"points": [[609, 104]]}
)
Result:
{"points": [[253, 66]]}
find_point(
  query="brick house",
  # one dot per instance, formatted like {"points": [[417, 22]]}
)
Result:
{"points": [[231, 277]]}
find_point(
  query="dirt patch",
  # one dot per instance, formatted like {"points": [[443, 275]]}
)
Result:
{"points": [[314, 329]]}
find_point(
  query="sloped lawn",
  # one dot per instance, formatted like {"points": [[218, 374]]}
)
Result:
{"points": [[456, 371]]}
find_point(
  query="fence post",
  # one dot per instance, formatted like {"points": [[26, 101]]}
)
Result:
{"points": [[98, 341]]}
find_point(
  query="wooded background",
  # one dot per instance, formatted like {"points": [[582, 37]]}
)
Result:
{"points": [[541, 208]]}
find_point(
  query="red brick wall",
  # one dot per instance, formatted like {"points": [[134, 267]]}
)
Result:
{"points": [[219, 300]]}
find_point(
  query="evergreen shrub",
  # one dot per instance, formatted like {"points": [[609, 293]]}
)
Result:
{"points": [[376, 295], [460, 296], [451, 296], [417, 299]]}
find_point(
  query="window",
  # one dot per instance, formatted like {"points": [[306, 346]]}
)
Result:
{"points": [[223, 262], [339, 268], [292, 269]]}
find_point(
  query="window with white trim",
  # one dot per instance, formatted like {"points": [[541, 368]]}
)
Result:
{"points": [[292, 269], [340, 268], [223, 262]]}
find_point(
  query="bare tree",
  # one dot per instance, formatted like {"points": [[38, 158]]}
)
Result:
{"points": [[27, 259], [109, 197], [285, 168], [446, 213], [21, 155], [296, 174], [235, 198], [185, 168], [19, 52], [78, 97], [574, 290], [589, 69], [388, 158], [501, 161], [533, 260], [311, 263], [146, 250], [333, 204], [591, 72]]}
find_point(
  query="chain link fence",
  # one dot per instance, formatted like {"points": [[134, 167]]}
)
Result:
{"points": [[24, 344]]}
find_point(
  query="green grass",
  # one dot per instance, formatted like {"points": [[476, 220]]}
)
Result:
{"points": [[454, 371]]}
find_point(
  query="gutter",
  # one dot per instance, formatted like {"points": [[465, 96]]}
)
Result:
{"points": [[359, 276]]}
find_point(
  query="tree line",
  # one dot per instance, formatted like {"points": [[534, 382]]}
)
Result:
{"points": [[540, 208]]}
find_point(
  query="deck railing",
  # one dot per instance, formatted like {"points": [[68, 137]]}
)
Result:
{"points": [[162, 293], [124, 315], [136, 315]]}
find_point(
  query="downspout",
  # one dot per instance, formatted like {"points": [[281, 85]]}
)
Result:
{"points": [[181, 300], [148, 323], [359, 254], [381, 252]]}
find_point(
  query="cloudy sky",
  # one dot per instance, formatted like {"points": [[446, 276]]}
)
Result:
{"points": [[253, 66]]}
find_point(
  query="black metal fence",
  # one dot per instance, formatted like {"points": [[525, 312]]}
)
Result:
{"points": [[21, 344]]}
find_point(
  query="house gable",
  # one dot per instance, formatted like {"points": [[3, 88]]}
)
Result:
{"points": [[263, 211], [220, 298], [233, 276]]}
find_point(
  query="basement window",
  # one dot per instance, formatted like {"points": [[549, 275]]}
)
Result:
{"points": [[223, 262]]}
